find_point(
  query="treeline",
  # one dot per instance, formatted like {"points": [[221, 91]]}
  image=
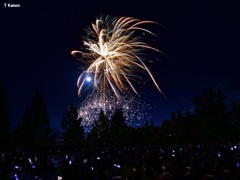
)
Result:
{"points": [[210, 120]]}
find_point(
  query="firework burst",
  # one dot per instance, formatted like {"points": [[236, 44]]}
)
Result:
{"points": [[112, 52]]}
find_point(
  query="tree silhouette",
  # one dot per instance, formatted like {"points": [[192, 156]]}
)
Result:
{"points": [[190, 128], [173, 127], [73, 132], [25, 132], [34, 128], [4, 116], [118, 126], [99, 134], [234, 120], [118, 120], [179, 128], [165, 131], [210, 111]]}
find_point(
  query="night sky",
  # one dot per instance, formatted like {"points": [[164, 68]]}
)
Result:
{"points": [[201, 41]]}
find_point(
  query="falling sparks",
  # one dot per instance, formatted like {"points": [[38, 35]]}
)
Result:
{"points": [[135, 110]]}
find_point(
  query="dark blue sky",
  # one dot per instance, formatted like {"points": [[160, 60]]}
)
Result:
{"points": [[201, 40]]}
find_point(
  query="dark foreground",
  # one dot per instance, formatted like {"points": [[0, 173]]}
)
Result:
{"points": [[215, 161]]}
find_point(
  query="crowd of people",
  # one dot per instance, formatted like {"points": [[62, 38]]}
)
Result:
{"points": [[187, 161]]}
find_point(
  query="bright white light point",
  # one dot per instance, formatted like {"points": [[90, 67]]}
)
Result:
{"points": [[89, 79]]}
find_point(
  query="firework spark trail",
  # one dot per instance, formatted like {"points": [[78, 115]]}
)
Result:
{"points": [[113, 54], [135, 110]]}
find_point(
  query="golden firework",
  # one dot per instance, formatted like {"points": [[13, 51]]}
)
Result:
{"points": [[112, 51]]}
